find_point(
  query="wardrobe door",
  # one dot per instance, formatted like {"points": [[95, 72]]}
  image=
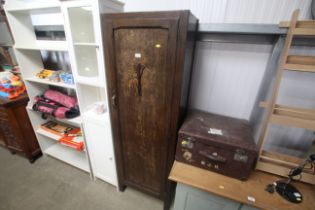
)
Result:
{"points": [[141, 80]]}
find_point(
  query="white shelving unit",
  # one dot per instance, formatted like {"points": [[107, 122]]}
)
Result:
{"points": [[47, 82], [61, 46], [68, 155], [47, 134], [81, 22]]}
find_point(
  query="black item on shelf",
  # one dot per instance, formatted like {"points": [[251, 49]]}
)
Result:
{"points": [[313, 9], [51, 32], [53, 59], [288, 192], [56, 104], [284, 187]]}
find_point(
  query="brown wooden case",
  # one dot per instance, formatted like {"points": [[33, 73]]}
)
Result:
{"points": [[217, 143], [16, 130], [148, 65]]}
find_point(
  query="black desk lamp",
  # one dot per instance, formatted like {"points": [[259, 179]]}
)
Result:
{"points": [[284, 187]]}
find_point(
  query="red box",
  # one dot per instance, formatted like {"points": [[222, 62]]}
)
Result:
{"points": [[73, 139]]}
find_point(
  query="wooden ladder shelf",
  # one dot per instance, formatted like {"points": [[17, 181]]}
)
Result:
{"points": [[277, 163]]}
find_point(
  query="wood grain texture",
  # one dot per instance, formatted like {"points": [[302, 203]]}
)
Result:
{"points": [[16, 128], [284, 115], [279, 169], [300, 67], [299, 24], [2, 142], [148, 65], [239, 191], [304, 32], [275, 92], [297, 59], [142, 117]]}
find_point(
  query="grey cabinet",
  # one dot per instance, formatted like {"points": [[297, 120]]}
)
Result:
{"points": [[189, 198], [245, 207]]}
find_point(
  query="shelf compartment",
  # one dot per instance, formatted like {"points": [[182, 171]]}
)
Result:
{"points": [[68, 155], [303, 28], [300, 67], [100, 118], [293, 122], [283, 171], [281, 159], [304, 32], [91, 81], [87, 100], [74, 121], [299, 24], [291, 116], [90, 44], [300, 63], [281, 164], [44, 45], [86, 61], [81, 22], [48, 134], [47, 82], [51, 136]]}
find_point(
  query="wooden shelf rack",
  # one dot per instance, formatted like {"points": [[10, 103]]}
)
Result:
{"points": [[277, 163]]}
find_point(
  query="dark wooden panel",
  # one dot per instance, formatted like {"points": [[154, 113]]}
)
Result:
{"points": [[10, 132], [3, 117], [148, 84], [143, 102], [26, 130], [16, 128], [2, 142]]}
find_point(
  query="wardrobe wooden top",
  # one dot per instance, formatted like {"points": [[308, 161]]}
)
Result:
{"points": [[19, 99], [251, 192]]}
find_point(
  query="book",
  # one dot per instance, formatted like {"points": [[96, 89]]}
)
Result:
{"points": [[73, 139], [57, 128]]}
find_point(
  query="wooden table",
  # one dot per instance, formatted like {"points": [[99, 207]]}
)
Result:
{"points": [[240, 191]]}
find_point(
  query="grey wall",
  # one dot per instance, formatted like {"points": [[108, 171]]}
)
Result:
{"points": [[5, 38], [227, 77]]}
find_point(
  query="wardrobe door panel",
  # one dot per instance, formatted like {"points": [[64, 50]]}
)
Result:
{"points": [[148, 63], [143, 78]]}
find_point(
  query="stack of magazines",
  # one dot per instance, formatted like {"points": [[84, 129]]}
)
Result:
{"points": [[69, 136]]}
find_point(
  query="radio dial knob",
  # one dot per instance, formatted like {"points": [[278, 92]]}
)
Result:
{"points": [[187, 155]]}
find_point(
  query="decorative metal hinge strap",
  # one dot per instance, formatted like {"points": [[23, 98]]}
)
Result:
{"points": [[139, 68]]}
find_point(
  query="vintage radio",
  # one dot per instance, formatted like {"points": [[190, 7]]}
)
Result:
{"points": [[217, 143]]}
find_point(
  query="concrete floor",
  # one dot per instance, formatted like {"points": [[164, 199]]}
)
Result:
{"points": [[49, 184]]}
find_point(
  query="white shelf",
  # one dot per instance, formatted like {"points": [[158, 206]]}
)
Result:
{"points": [[88, 44], [91, 81], [32, 6], [74, 121], [68, 155], [43, 45], [100, 118], [48, 134], [47, 82]]}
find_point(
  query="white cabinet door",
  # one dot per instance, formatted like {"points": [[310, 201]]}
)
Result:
{"points": [[83, 32], [99, 142]]}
